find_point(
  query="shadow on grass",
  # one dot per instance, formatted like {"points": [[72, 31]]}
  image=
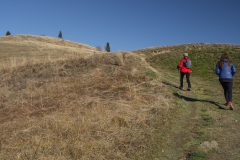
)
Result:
{"points": [[198, 100], [193, 99], [169, 84]]}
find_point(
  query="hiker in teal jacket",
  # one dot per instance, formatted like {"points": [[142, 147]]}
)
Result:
{"points": [[225, 69]]}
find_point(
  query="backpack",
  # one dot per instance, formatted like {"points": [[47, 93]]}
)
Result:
{"points": [[188, 63]]}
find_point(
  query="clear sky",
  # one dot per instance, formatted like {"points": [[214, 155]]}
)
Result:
{"points": [[126, 24]]}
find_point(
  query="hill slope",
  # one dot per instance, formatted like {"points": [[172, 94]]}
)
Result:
{"points": [[98, 106], [23, 49], [200, 126], [115, 106], [204, 57]]}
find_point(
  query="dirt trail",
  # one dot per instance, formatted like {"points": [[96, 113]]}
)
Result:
{"points": [[176, 135], [143, 58]]}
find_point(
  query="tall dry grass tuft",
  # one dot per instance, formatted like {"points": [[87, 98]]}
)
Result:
{"points": [[101, 107]]}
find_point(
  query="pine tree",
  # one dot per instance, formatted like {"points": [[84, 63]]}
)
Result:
{"points": [[8, 33], [107, 48], [60, 35]]}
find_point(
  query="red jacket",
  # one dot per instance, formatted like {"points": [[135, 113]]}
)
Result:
{"points": [[182, 67]]}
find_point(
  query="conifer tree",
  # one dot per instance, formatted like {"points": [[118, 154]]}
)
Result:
{"points": [[107, 48], [60, 35], [8, 33]]}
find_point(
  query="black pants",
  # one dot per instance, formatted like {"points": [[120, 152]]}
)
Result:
{"points": [[187, 78], [227, 87]]}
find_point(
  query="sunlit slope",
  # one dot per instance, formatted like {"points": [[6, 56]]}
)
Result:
{"points": [[204, 58], [106, 105], [22, 49]]}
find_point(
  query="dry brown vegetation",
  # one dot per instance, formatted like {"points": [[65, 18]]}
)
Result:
{"points": [[66, 100], [90, 105], [21, 50]]}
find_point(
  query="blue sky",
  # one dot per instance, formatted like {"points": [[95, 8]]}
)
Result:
{"points": [[126, 24]]}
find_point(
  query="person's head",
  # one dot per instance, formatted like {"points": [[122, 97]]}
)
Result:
{"points": [[223, 58], [185, 55]]}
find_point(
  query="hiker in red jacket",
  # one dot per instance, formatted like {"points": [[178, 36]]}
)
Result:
{"points": [[184, 70]]}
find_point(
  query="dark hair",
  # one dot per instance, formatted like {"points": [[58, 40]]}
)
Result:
{"points": [[221, 62]]}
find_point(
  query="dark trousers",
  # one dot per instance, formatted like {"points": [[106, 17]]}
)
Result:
{"points": [[187, 78], [227, 87]]}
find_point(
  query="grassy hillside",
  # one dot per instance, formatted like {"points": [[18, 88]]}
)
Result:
{"points": [[200, 126], [99, 106], [204, 58], [21, 50], [73, 102]]}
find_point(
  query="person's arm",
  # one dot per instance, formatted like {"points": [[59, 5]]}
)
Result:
{"points": [[233, 68], [217, 69]]}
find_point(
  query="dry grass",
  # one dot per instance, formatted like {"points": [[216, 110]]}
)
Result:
{"points": [[102, 106], [65, 100], [22, 50]]}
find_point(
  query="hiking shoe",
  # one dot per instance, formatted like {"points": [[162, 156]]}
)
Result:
{"points": [[189, 89], [230, 105], [180, 87]]}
